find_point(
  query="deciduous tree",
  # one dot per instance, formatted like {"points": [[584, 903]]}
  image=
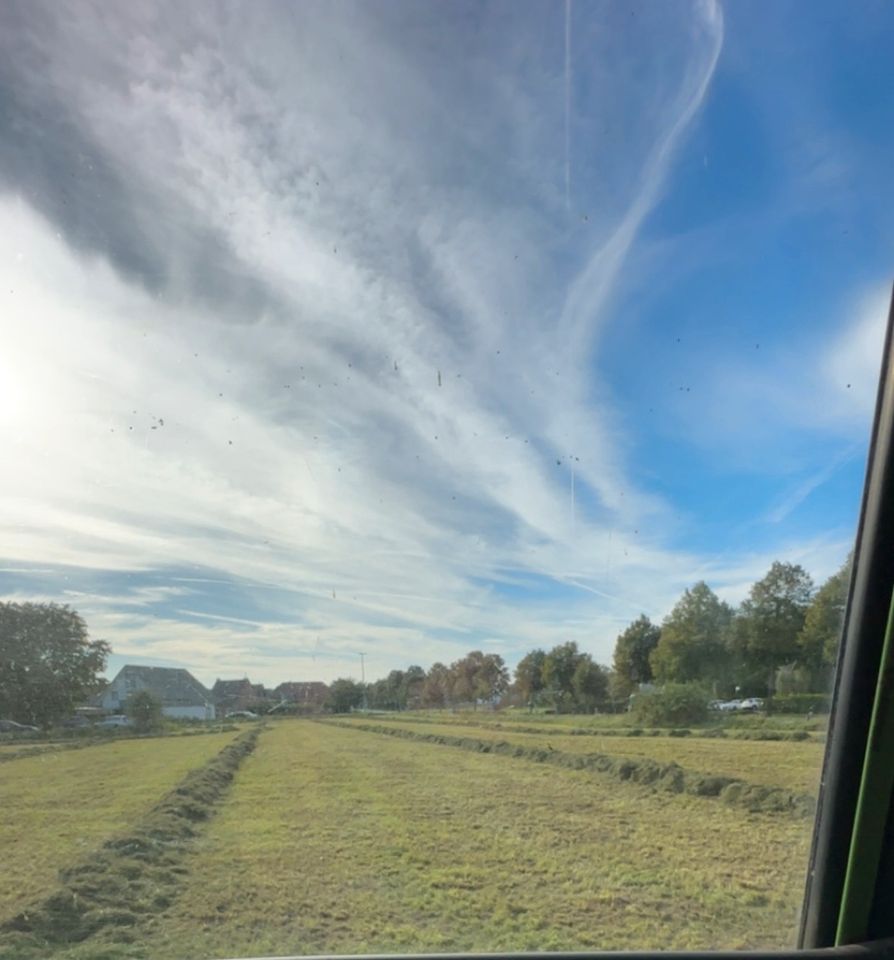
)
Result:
{"points": [[344, 695], [144, 711], [821, 634], [692, 645], [48, 664], [631, 658], [436, 688], [529, 676], [771, 618]]}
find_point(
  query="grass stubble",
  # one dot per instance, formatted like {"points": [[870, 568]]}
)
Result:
{"points": [[339, 840]]}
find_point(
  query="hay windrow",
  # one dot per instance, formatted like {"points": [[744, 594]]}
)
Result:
{"points": [[672, 777], [132, 876]]}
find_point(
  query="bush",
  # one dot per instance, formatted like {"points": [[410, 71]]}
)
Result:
{"points": [[144, 712], [674, 705], [799, 703]]}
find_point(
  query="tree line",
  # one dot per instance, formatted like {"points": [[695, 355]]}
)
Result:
{"points": [[566, 677], [783, 638]]}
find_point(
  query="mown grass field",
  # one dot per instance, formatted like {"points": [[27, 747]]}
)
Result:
{"points": [[732, 723], [62, 804], [341, 841], [793, 765], [337, 840]]}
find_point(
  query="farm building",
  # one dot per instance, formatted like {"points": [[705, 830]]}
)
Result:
{"points": [[180, 694]]}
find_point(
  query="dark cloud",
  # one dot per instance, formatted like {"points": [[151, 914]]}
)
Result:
{"points": [[49, 157]]}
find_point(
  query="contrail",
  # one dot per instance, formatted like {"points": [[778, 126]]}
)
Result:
{"points": [[568, 104]]}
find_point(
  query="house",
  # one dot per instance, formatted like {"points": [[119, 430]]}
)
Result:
{"points": [[308, 695], [180, 694], [232, 695]]}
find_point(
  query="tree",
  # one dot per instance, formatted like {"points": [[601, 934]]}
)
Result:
{"points": [[414, 681], [571, 678], [529, 676], [692, 645], [771, 618], [48, 664], [589, 683], [491, 677], [558, 672], [819, 637], [478, 676], [462, 679], [436, 688], [144, 711], [344, 695], [631, 658]]}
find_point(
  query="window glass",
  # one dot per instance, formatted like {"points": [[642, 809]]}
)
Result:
{"points": [[432, 443]]}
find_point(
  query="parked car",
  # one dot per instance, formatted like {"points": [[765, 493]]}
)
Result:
{"points": [[729, 706], [116, 720], [12, 726], [242, 715], [74, 723], [751, 704]]}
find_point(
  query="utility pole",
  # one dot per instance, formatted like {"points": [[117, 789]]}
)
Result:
{"points": [[363, 678]]}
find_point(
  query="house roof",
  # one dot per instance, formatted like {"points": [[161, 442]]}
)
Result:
{"points": [[173, 686], [298, 691], [232, 688]]}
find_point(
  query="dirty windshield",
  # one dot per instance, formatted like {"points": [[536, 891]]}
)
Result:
{"points": [[432, 441]]}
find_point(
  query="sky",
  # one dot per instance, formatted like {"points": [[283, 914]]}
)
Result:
{"points": [[408, 329]]}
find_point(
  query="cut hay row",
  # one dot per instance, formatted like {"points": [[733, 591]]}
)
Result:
{"points": [[564, 730], [130, 876], [663, 776]]}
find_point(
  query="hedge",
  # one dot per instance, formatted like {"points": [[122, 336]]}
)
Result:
{"points": [[799, 703]]}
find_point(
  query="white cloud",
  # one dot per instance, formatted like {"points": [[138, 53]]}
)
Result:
{"points": [[337, 342], [851, 363]]}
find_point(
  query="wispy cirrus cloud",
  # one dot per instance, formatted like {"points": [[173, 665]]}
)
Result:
{"points": [[303, 338]]}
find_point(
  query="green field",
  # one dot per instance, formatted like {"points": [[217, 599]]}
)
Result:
{"points": [[793, 765], [338, 840], [62, 804]]}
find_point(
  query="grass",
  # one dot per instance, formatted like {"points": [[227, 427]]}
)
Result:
{"points": [[337, 841], [733, 725], [103, 897], [791, 765], [62, 804]]}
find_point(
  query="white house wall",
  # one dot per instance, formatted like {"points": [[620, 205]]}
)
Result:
{"points": [[189, 713]]}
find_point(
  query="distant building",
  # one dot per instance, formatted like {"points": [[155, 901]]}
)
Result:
{"points": [[308, 695], [180, 694], [232, 695]]}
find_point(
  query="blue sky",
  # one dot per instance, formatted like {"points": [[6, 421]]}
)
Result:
{"points": [[417, 328]]}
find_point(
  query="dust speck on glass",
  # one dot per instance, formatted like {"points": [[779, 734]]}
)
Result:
{"points": [[432, 441]]}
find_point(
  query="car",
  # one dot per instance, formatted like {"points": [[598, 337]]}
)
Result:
{"points": [[74, 723], [729, 706], [242, 715], [751, 704], [12, 726], [116, 720]]}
